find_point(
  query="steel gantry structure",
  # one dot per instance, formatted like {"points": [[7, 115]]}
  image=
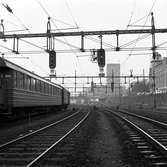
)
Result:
{"points": [[49, 35]]}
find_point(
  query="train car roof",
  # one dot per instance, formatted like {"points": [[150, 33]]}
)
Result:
{"points": [[8, 64]]}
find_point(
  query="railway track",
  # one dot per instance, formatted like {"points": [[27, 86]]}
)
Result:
{"points": [[148, 136], [30, 149]]}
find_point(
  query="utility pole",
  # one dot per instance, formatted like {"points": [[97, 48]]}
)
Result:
{"points": [[75, 83], [154, 58], [144, 84]]}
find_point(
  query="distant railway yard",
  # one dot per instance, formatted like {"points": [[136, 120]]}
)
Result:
{"points": [[86, 136]]}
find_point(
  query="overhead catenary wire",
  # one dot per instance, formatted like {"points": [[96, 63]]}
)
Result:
{"points": [[137, 39], [10, 10], [10, 22], [64, 23], [25, 29], [71, 13], [132, 13], [146, 19], [147, 16], [98, 41], [163, 43], [21, 23], [137, 49], [133, 23], [37, 46], [47, 13]]}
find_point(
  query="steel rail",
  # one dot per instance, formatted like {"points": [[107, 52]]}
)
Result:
{"points": [[160, 147], [3, 146], [46, 152], [163, 125]]}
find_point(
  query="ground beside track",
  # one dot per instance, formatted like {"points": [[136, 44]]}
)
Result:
{"points": [[14, 129], [100, 143], [97, 145], [106, 146]]}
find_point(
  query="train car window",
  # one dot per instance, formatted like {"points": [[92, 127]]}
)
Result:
{"points": [[32, 84], [42, 87], [14, 79], [36, 85], [47, 89], [17, 80], [7, 80], [21, 81], [56, 90], [50, 91], [53, 90], [28, 82], [39, 86], [25, 82]]}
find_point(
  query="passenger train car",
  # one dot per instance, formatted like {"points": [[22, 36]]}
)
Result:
{"points": [[22, 91]]}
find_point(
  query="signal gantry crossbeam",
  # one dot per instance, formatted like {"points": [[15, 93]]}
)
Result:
{"points": [[95, 76], [51, 35], [82, 33]]}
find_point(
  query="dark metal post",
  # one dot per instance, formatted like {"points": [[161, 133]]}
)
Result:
{"points": [[82, 42], [75, 81], [120, 94], [154, 57]]}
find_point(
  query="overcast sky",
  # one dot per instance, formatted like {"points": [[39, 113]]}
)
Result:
{"points": [[88, 15]]}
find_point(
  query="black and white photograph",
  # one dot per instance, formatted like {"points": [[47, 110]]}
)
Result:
{"points": [[83, 83]]}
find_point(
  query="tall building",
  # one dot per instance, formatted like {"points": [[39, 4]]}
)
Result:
{"points": [[113, 70], [159, 68]]}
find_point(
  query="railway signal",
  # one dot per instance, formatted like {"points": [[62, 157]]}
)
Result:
{"points": [[52, 59], [101, 57]]}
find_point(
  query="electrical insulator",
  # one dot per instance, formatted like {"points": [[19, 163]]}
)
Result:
{"points": [[101, 57], [52, 59], [112, 86]]}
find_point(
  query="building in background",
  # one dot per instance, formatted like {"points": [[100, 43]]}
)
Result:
{"points": [[113, 70], [159, 68], [102, 91]]}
